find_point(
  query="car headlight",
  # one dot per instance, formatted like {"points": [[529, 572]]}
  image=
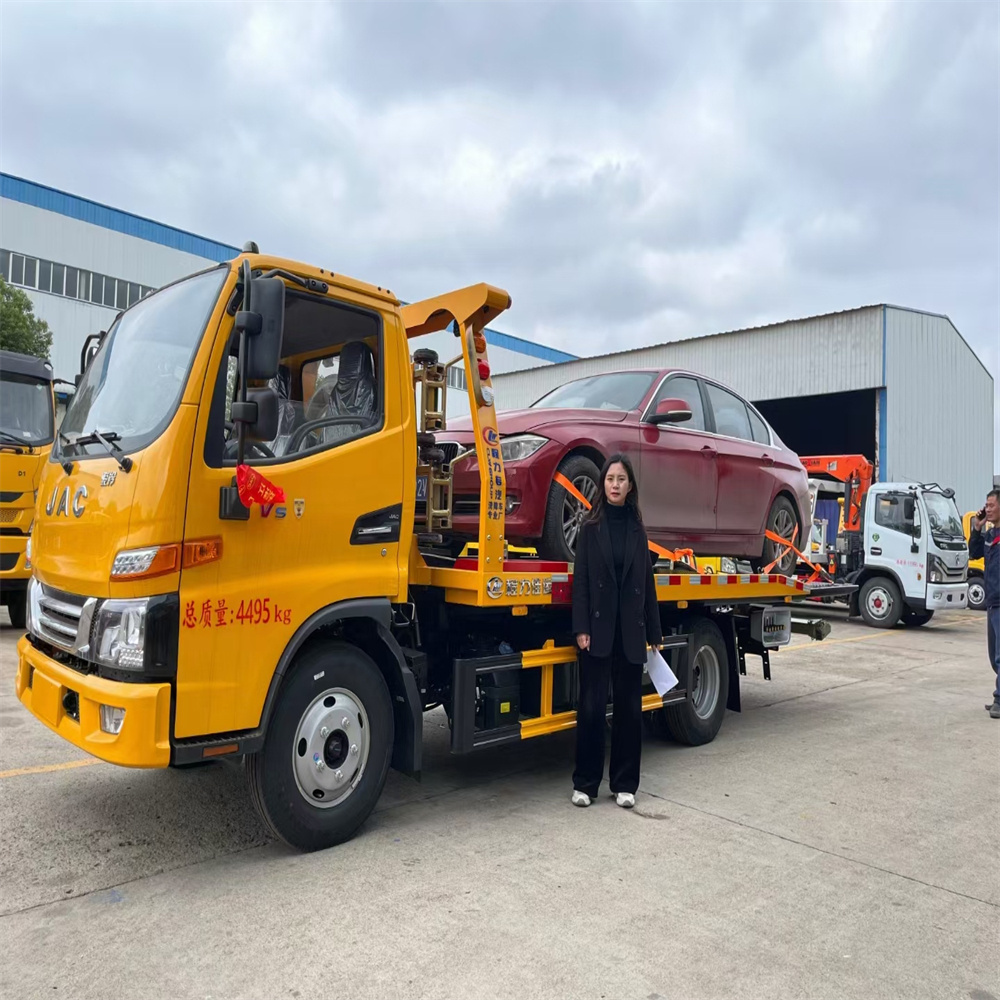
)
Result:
{"points": [[521, 446], [120, 634]]}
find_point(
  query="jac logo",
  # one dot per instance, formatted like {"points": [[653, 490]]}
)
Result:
{"points": [[491, 437], [59, 504]]}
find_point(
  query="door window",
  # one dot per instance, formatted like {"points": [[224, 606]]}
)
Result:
{"points": [[896, 511], [330, 382], [683, 387], [759, 428], [730, 413]]}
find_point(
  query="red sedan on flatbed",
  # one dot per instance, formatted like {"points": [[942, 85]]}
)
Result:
{"points": [[712, 474]]}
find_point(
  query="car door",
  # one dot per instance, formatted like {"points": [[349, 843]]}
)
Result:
{"points": [[744, 466], [677, 488]]}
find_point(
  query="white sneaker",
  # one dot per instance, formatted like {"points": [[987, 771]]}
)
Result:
{"points": [[625, 799], [580, 798]]}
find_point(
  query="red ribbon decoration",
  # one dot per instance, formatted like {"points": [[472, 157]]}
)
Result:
{"points": [[254, 488]]}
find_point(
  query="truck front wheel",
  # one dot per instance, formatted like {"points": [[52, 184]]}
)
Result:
{"points": [[327, 749], [977, 593], [17, 604], [880, 602]]}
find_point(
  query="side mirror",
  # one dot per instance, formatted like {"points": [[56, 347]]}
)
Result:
{"points": [[259, 414], [264, 326], [671, 411]]}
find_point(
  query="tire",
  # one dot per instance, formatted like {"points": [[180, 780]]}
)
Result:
{"points": [[17, 607], [425, 356], [914, 619], [880, 603], [782, 520], [287, 784], [698, 720], [977, 593], [563, 513]]}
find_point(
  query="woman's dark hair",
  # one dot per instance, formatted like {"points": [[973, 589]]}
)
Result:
{"points": [[631, 501]]}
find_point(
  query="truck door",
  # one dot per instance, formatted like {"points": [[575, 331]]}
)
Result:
{"points": [[339, 457], [895, 539]]}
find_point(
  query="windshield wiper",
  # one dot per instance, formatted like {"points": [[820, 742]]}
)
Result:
{"points": [[9, 439], [106, 440]]}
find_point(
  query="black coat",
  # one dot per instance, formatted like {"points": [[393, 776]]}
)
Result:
{"points": [[598, 601]]}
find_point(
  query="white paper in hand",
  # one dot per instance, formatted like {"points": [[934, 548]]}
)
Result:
{"points": [[663, 678]]}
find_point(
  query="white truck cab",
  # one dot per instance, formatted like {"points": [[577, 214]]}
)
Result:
{"points": [[910, 559]]}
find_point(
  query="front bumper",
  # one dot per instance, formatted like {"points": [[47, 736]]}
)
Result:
{"points": [[144, 739], [14, 571], [941, 596]]}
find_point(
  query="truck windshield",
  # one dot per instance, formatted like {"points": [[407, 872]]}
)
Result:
{"points": [[25, 411], [134, 382], [943, 516], [617, 391]]}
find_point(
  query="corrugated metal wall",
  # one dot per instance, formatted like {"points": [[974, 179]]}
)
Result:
{"points": [[939, 407], [770, 362]]}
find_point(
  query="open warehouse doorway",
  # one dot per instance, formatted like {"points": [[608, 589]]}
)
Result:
{"points": [[836, 423]]}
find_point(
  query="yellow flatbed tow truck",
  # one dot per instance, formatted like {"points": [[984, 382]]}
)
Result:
{"points": [[230, 558]]}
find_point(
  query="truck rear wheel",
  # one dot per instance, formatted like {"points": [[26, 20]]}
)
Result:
{"points": [[698, 720], [327, 749], [880, 602]]}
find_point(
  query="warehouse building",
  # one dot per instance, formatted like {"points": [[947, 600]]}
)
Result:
{"points": [[898, 385], [81, 263]]}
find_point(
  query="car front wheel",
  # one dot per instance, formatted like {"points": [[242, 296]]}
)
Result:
{"points": [[564, 513]]}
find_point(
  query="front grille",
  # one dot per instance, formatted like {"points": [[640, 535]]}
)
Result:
{"points": [[10, 497], [62, 620], [8, 514], [953, 574], [8, 560]]}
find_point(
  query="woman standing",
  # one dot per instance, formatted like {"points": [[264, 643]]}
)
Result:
{"points": [[615, 616]]}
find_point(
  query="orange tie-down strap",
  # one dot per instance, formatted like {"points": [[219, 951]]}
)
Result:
{"points": [[818, 571], [653, 547]]}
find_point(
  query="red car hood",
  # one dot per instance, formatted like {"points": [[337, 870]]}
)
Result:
{"points": [[526, 421]]}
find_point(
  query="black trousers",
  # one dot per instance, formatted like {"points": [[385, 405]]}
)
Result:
{"points": [[626, 723]]}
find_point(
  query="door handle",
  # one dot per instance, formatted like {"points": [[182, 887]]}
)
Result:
{"points": [[767, 460], [709, 452]]}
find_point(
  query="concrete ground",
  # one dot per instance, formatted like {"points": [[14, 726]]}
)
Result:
{"points": [[838, 839]]}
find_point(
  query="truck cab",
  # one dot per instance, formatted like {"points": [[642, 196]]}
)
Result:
{"points": [[27, 427], [911, 557]]}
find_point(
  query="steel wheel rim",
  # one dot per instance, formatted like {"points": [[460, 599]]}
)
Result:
{"points": [[573, 512], [784, 525], [705, 682], [879, 603], [331, 748], [977, 593]]}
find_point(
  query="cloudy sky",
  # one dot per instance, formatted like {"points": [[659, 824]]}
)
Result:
{"points": [[630, 173]]}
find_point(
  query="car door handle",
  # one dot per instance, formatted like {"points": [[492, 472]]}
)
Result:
{"points": [[709, 452], [767, 460]]}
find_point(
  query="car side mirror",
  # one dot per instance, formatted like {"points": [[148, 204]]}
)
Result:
{"points": [[263, 325], [671, 411], [259, 413]]}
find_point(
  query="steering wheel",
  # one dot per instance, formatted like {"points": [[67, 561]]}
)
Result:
{"points": [[313, 425]]}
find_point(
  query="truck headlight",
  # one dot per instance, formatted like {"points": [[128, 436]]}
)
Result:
{"points": [[935, 569], [32, 608], [521, 446], [120, 634]]}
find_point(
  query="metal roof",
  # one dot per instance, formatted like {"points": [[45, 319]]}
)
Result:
{"points": [[85, 210]]}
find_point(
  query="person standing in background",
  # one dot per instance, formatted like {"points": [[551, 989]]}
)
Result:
{"points": [[984, 543]]}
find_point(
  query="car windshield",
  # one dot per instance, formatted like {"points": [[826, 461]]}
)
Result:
{"points": [[25, 410], [943, 516], [134, 382], [616, 391]]}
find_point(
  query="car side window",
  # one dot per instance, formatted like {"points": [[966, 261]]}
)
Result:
{"points": [[759, 428], [730, 413], [682, 387]]}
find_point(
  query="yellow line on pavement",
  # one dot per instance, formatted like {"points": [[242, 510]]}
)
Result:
{"points": [[44, 768]]}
